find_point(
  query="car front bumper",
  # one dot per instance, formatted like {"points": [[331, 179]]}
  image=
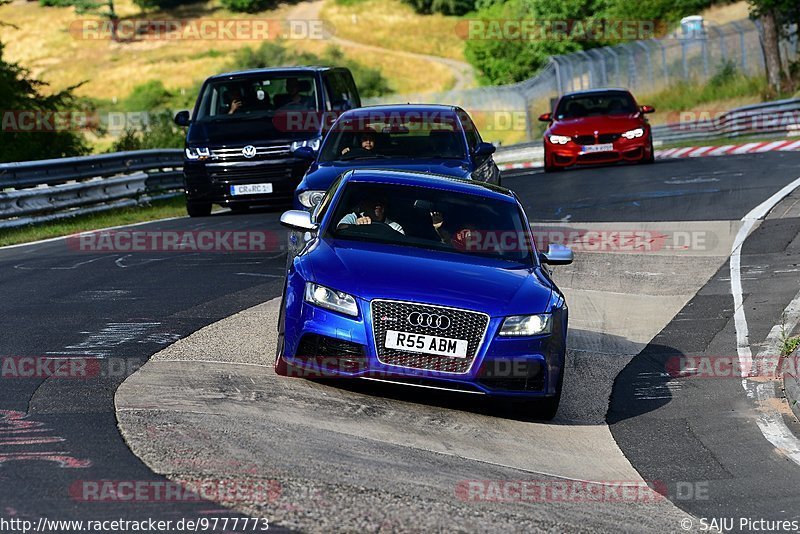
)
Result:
{"points": [[320, 343], [630, 150]]}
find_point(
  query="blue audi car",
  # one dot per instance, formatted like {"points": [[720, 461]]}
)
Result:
{"points": [[425, 281], [417, 137]]}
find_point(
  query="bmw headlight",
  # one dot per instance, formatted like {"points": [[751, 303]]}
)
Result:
{"points": [[309, 199], [195, 153], [527, 325], [331, 299], [633, 134], [314, 144], [559, 139]]}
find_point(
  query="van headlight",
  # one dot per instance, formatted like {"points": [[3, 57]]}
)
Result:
{"points": [[633, 134], [527, 325], [314, 144], [331, 299], [559, 139], [195, 153]]}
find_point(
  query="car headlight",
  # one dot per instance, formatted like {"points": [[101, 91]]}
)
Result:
{"points": [[309, 199], [331, 299], [195, 153], [633, 134], [314, 144], [527, 325], [559, 139]]}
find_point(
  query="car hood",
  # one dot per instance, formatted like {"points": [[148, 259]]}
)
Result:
{"points": [[320, 176], [602, 124], [375, 270], [240, 132]]}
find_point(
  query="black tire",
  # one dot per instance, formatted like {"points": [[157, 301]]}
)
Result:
{"points": [[198, 209], [547, 408], [649, 160], [280, 365]]}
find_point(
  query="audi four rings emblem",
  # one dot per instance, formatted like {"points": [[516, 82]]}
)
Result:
{"points": [[249, 151], [430, 320]]}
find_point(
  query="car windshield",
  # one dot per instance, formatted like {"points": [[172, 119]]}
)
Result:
{"points": [[434, 219], [589, 105], [379, 135], [257, 97]]}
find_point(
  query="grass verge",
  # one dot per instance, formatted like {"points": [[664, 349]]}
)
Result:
{"points": [[157, 209]]}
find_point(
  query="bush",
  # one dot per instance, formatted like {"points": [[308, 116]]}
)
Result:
{"points": [[161, 132], [248, 6], [55, 3], [444, 7], [147, 97], [162, 4]]}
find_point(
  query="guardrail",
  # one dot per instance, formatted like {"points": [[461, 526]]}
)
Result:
{"points": [[769, 118], [39, 191]]}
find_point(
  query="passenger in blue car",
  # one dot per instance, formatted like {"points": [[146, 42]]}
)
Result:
{"points": [[371, 211]]}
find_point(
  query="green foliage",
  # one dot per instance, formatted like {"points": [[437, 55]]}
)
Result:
{"points": [[248, 6], [726, 84], [21, 93], [370, 81], [160, 132], [444, 7], [147, 96], [55, 3], [145, 5]]}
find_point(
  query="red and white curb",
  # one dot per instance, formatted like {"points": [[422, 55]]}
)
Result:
{"points": [[691, 152], [727, 150]]}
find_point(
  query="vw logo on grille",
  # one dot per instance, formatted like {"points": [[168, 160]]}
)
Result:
{"points": [[249, 151], [429, 320]]}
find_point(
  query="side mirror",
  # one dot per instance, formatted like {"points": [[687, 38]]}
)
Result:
{"points": [[557, 255], [304, 152], [298, 220], [182, 118], [484, 149], [546, 117], [648, 109]]}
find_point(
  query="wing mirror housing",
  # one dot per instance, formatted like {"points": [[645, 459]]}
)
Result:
{"points": [[557, 255]]}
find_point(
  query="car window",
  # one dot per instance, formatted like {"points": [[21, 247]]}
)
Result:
{"points": [[341, 93], [375, 135], [594, 104], [254, 97], [321, 208], [470, 224], [473, 137]]}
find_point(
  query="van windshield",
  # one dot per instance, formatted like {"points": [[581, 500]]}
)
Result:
{"points": [[257, 97]]}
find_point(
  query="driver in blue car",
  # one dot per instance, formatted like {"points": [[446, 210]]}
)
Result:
{"points": [[374, 211], [370, 210]]}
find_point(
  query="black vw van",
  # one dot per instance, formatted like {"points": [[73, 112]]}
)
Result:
{"points": [[246, 126]]}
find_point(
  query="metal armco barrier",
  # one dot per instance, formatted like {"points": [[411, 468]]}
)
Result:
{"points": [[769, 118], [38, 191]]}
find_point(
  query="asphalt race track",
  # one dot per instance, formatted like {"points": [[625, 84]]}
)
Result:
{"points": [[364, 457]]}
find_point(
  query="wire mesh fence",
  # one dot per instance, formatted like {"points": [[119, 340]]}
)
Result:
{"points": [[508, 112]]}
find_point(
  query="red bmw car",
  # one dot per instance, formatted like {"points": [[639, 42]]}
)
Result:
{"points": [[597, 126]]}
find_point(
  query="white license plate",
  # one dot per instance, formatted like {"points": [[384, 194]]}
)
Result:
{"points": [[605, 147], [251, 189], [441, 346]]}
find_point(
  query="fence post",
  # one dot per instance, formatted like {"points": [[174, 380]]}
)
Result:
{"points": [[683, 60], [587, 60], [616, 64], [603, 71], [722, 48], [554, 61], [632, 80], [742, 45], [649, 60], [664, 67]]}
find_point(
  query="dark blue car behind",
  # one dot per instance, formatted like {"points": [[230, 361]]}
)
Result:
{"points": [[427, 138]]}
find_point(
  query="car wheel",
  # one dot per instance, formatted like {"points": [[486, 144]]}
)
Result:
{"points": [[647, 160], [547, 166], [546, 409], [198, 209], [280, 366]]}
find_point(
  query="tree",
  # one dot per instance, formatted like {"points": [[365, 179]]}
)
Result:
{"points": [[775, 18], [102, 8], [28, 128]]}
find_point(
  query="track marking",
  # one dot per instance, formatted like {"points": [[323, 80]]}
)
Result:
{"points": [[770, 422]]}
